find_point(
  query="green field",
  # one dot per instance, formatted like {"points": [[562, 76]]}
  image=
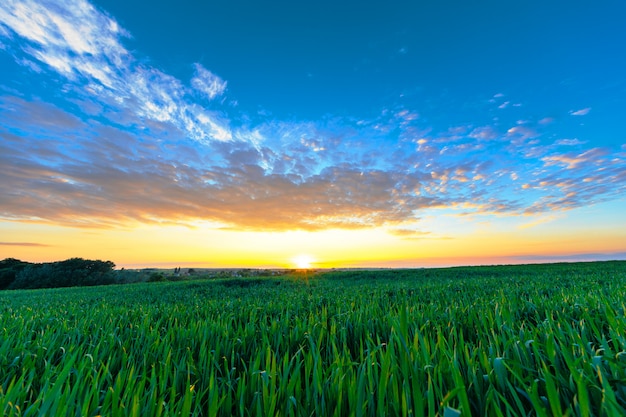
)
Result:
{"points": [[545, 340]]}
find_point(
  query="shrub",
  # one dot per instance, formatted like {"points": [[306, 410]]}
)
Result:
{"points": [[156, 277]]}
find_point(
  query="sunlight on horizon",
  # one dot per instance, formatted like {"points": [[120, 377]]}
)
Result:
{"points": [[145, 141], [303, 261]]}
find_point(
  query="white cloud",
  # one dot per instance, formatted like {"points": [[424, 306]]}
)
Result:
{"points": [[30, 64], [569, 142], [58, 60], [484, 133], [207, 83], [521, 133], [207, 125], [77, 27], [581, 112], [538, 220], [406, 117], [84, 45], [572, 161], [4, 33]]}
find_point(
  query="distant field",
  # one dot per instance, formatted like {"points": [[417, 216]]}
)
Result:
{"points": [[545, 340]]}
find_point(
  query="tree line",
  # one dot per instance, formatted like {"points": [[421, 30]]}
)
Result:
{"points": [[75, 272], [16, 274]]}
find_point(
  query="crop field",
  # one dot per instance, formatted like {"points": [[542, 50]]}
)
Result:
{"points": [[534, 340]]}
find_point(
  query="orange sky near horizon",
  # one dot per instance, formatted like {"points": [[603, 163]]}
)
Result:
{"points": [[445, 239]]}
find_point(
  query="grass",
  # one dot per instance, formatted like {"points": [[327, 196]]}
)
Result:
{"points": [[542, 340]]}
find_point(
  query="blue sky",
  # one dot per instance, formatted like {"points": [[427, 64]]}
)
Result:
{"points": [[280, 116]]}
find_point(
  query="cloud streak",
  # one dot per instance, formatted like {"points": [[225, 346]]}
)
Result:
{"points": [[581, 112], [207, 82], [28, 244]]}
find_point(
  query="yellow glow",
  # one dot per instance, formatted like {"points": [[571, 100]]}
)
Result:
{"points": [[303, 261], [441, 239]]}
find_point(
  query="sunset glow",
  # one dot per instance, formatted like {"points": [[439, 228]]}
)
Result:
{"points": [[303, 261], [313, 135]]}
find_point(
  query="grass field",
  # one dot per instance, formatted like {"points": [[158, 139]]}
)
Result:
{"points": [[545, 340]]}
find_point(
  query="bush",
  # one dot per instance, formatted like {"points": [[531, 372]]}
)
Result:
{"points": [[156, 277]]}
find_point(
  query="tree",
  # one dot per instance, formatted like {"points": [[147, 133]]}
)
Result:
{"points": [[69, 273], [9, 268]]}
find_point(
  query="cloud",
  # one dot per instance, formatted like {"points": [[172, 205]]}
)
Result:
{"points": [[581, 112], [55, 31], [406, 117], [484, 133], [569, 142], [207, 83], [46, 117], [572, 160], [521, 133], [150, 190], [31, 244], [583, 257], [108, 177], [273, 177], [413, 234], [537, 221], [575, 180], [85, 46]]}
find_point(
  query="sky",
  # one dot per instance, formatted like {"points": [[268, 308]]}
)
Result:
{"points": [[214, 133]]}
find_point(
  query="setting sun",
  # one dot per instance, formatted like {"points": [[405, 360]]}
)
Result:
{"points": [[303, 261]]}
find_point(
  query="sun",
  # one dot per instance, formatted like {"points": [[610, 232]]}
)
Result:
{"points": [[303, 261]]}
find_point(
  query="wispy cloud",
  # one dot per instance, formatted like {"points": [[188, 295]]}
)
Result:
{"points": [[569, 142], [581, 112], [208, 83], [413, 234], [583, 257], [546, 121], [484, 133], [85, 45], [23, 244], [573, 160], [538, 221]]}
